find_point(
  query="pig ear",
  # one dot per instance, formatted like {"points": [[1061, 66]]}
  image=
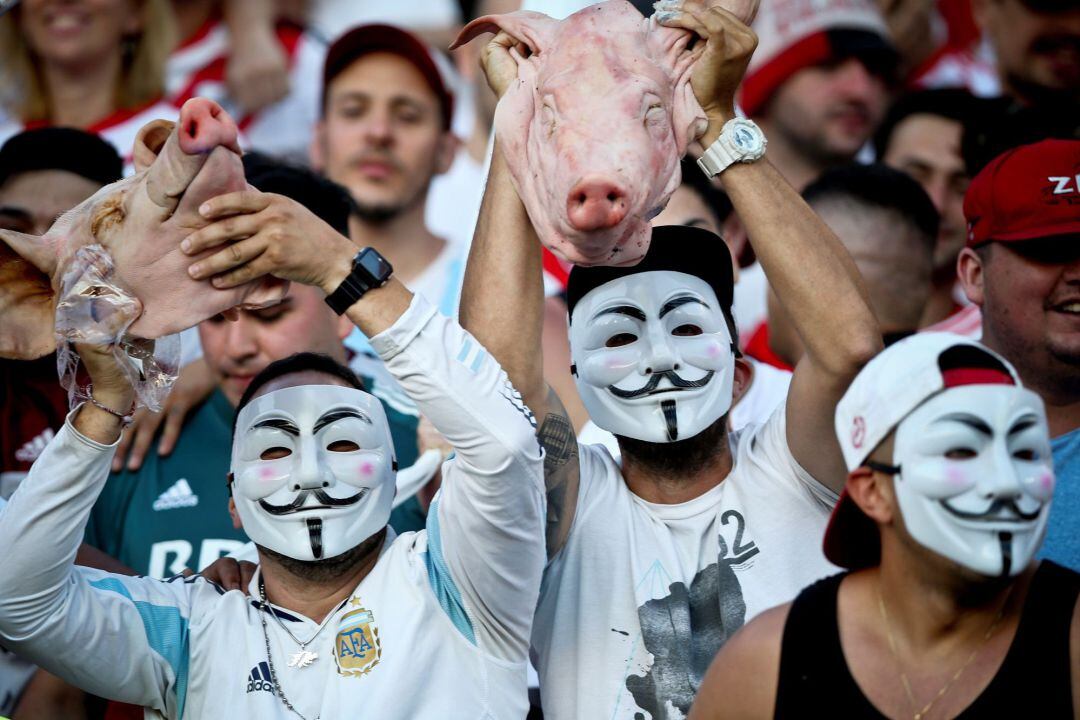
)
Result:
{"points": [[530, 28], [27, 300], [149, 141], [676, 50]]}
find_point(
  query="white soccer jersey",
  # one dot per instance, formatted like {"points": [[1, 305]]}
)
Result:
{"points": [[438, 629], [635, 605]]}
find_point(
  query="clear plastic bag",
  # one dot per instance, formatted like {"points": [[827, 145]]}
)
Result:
{"points": [[94, 309]]}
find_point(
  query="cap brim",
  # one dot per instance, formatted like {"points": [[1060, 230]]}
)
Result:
{"points": [[851, 538], [1071, 227]]}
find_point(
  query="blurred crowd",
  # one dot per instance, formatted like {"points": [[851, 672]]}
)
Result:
{"points": [[937, 140]]}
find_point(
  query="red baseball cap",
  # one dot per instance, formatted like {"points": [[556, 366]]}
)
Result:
{"points": [[1029, 192], [366, 39]]}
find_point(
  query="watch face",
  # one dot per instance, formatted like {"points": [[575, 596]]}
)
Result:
{"points": [[374, 264], [746, 139]]}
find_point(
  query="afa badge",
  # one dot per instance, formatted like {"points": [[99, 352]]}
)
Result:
{"points": [[356, 647]]}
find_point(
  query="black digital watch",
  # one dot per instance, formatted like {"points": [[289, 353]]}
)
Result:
{"points": [[369, 270]]}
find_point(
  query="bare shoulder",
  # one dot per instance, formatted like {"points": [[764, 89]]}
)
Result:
{"points": [[742, 680]]}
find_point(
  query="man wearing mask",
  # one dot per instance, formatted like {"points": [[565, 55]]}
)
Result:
{"points": [[348, 618], [169, 514], [655, 562], [944, 612], [1021, 267]]}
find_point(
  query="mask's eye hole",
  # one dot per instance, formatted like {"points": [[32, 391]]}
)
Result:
{"points": [[686, 330], [342, 446], [275, 453], [960, 454], [620, 340], [1027, 455]]}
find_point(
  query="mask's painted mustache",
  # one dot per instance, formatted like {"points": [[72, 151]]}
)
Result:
{"points": [[672, 377], [321, 496], [994, 512]]}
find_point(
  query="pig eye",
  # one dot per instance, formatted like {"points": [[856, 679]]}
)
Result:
{"points": [[620, 340], [275, 453], [655, 114], [342, 446], [547, 116]]}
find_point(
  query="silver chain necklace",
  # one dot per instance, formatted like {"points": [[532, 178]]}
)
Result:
{"points": [[269, 656], [303, 658]]}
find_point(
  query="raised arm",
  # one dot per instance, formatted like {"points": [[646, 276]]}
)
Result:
{"points": [[486, 525], [485, 543], [502, 305], [808, 268], [83, 625]]}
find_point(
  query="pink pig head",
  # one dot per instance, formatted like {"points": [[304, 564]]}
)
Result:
{"points": [[139, 221], [595, 126]]}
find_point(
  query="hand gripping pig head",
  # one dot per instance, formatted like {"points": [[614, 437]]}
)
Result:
{"points": [[595, 126], [112, 266]]}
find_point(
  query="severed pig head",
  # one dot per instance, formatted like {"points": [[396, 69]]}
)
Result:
{"points": [[112, 266], [595, 126]]}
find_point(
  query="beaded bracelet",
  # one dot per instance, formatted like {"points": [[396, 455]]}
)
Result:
{"points": [[125, 420]]}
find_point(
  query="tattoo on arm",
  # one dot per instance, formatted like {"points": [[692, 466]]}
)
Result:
{"points": [[561, 471]]}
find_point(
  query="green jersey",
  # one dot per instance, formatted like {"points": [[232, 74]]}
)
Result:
{"points": [[172, 513]]}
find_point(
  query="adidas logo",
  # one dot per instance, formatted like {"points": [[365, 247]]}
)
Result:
{"points": [[30, 451], [259, 679], [178, 496]]}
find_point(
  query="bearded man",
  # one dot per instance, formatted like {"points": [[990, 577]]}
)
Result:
{"points": [[345, 619]]}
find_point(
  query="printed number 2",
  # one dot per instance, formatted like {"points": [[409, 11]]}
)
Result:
{"points": [[740, 552]]}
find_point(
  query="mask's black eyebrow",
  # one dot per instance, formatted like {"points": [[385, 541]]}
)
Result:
{"points": [[678, 302], [629, 310], [280, 424], [335, 415], [1023, 424], [971, 421]]}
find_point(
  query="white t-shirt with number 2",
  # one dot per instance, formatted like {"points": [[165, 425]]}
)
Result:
{"points": [[634, 606]]}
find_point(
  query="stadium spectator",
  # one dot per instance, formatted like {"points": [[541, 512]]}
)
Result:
{"points": [[1022, 268], [698, 203], [921, 136], [889, 226], [43, 173], [1036, 44], [223, 39], [384, 134], [662, 541], [96, 66], [169, 514], [443, 617], [818, 82], [944, 612]]}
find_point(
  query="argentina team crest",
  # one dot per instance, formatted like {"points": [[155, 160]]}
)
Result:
{"points": [[356, 647]]}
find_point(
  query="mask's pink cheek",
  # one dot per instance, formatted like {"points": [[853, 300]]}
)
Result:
{"points": [[1046, 482], [366, 470], [956, 478], [267, 474]]}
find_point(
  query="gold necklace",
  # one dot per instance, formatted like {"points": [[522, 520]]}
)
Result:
{"points": [[920, 714]]}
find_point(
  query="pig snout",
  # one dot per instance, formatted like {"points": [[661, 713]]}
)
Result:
{"points": [[595, 204], [205, 126]]}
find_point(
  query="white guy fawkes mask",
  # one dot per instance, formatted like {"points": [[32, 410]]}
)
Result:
{"points": [[976, 476], [313, 470], [653, 356]]}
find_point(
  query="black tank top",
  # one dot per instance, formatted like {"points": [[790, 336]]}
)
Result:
{"points": [[1034, 680]]}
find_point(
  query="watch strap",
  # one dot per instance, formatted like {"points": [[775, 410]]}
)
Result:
{"points": [[351, 289]]}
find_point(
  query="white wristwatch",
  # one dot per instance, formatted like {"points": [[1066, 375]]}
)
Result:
{"points": [[740, 140]]}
